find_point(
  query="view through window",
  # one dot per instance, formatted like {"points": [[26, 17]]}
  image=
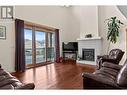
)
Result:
{"points": [[39, 46]]}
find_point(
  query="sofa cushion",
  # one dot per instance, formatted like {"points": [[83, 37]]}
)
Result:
{"points": [[112, 66], [9, 86], [26, 86], [107, 73], [7, 81], [122, 76]]}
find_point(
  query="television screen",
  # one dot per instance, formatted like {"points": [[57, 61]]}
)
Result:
{"points": [[70, 46]]}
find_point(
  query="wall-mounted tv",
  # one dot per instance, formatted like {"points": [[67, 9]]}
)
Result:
{"points": [[70, 46]]}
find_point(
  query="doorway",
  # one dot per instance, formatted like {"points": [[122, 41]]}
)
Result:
{"points": [[39, 47]]}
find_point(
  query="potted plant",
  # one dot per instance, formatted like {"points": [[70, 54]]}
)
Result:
{"points": [[113, 29]]}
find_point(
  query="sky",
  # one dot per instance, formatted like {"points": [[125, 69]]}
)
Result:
{"points": [[39, 35]]}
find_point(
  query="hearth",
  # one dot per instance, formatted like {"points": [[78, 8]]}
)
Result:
{"points": [[88, 54]]}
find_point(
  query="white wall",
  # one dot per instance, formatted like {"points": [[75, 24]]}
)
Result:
{"points": [[106, 12], [87, 19], [73, 24], [7, 49]]}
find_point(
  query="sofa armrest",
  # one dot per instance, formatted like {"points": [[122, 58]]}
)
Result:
{"points": [[108, 60], [92, 81], [111, 65], [26, 86], [102, 56], [99, 60]]}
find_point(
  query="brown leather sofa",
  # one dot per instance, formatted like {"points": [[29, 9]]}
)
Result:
{"points": [[7, 81], [110, 76], [115, 55]]}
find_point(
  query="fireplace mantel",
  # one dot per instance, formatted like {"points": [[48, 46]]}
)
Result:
{"points": [[93, 38]]}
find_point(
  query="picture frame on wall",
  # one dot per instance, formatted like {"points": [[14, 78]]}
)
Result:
{"points": [[2, 32]]}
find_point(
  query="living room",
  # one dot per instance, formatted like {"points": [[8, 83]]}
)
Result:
{"points": [[74, 23]]}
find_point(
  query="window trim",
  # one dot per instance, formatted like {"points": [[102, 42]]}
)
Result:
{"points": [[39, 27]]}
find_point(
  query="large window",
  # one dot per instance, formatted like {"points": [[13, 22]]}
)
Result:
{"points": [[39, 46]]}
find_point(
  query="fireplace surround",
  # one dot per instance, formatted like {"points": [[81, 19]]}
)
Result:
{"points": [[94, 43]]}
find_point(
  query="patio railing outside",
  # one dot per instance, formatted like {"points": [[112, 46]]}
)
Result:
{"points": [[40, 55]]}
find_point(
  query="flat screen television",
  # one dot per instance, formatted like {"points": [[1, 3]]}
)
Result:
{"points": [[70, 46]]}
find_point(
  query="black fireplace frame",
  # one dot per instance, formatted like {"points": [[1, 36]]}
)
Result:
{"points": [[88, 50]]}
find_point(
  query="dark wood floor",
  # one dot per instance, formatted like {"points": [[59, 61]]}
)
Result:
{"points": [[56, 76]]}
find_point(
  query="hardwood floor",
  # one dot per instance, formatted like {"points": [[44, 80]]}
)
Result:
{"points": [[56, 76]]}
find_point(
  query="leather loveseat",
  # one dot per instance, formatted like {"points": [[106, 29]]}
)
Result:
{"points": [[7, 81], [109, 76]]}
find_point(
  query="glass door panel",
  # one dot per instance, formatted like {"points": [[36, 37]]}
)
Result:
{"points": [[40, 46], [28, 46], [50, 47]]}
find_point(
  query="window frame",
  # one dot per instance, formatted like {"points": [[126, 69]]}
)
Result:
{"points": [[43, 28]]}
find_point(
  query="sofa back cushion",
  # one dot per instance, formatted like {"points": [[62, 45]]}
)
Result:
{"points": [[122, 75], [116, 54]]}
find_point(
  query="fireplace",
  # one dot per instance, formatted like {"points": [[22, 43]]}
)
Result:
{"points": [[88, 54], [88, 49]]}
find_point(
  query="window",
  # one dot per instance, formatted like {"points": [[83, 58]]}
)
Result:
{"points": [[39, 46]]}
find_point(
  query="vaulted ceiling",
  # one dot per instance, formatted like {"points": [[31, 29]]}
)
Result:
{"points": [[123, 10]]}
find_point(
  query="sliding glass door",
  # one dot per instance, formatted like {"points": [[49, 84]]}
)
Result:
{"points": [[28, 46], [39, 47], [50, 46]]}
